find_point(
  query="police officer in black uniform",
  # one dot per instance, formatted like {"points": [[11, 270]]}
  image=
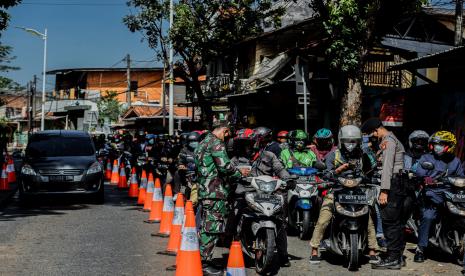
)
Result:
{"points": [[392, 193]]}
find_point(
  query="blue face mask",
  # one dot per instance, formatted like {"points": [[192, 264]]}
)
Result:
{"points": [[439, 149], [193, 145]]}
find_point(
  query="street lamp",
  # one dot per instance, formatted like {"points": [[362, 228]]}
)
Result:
{"points": [[44, 37]]}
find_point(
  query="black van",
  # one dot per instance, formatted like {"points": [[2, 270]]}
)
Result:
{"points": [[61, 162]]}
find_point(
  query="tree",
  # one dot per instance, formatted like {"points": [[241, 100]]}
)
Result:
{"points": [[4, 16], [5, 60], [108, 106], [202, 31], [353, 27]]}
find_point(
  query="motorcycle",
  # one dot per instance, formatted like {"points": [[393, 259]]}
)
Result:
{"points": [[348, 231], [304, 201], [260, 220], [449, 230]]}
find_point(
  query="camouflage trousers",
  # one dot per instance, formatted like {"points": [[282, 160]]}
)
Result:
{"points": [[212, 225]]}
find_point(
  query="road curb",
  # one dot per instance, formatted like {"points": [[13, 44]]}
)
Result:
{"points": [[5, 196]]}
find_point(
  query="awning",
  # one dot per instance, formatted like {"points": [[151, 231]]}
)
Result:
{"points": [[269, 68], [452, 57]]}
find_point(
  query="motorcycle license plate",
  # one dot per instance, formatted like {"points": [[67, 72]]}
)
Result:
{"points": [[353, 199], [458, 198], [267, 198]]}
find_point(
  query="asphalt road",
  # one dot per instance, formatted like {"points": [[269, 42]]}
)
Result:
{"points": [[71, 237]]}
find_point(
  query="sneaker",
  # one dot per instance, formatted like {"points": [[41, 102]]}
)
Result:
{"points": [[419, 256], [315, 259], [387, 263], [211, 270], [374, 259]]}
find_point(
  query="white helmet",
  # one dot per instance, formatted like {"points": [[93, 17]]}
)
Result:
{"points": [[350, 137], [416, 135]]}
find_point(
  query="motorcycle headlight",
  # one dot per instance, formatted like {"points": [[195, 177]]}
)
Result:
{"points": [[267, 187], [348, 182], [28, 170], [94, 168]]}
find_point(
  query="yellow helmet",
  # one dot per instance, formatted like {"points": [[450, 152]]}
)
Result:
{"points": [[446, 138]]}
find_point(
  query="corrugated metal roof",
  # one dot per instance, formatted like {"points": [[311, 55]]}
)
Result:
{"points": [[455, 55], [145, 111]]}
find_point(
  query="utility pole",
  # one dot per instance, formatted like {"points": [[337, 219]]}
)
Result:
{"points": [[29, 109], [128, 75], [34, 90], [458, 22], [171, 91], [163, 101]]}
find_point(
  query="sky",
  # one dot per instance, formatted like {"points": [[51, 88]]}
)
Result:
{"points": [[81, 33]]}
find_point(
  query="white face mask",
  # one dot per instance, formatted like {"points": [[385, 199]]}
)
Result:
{"points": [[439, 149], [350, 146]]}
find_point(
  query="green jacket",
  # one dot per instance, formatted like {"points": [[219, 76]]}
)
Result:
{"points": [[213, 168], [292, 159]]}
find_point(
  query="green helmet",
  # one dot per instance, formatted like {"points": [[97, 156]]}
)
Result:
{"points": [[299, 135]]}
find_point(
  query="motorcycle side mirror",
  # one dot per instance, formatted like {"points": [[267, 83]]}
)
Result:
{"points": [[427, 166], [319, 166]]}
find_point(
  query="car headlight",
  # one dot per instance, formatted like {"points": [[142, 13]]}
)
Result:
{"points": [[27, 170], [94, 168]]}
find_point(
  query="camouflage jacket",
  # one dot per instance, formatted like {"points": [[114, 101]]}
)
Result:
{"points": [[213, 167]]}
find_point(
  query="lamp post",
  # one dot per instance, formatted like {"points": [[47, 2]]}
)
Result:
{"points": [[44, 37]]}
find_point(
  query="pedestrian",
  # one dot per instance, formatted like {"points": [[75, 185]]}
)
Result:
{"points": [[392, 193], [213, 168]]}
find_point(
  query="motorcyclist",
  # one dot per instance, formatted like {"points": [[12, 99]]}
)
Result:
{"points": [[323, 143], [265, 162], [282, 138], [348, 156], [264, 137], [185, 163], [442, 145], [297, 155]]}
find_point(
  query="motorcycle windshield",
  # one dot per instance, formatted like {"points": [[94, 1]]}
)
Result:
{"points": [[302, 171]]}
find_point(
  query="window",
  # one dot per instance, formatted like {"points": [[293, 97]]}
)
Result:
{"points": [[56, 145], [133, 87]]}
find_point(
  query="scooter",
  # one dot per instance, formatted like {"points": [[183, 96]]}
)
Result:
{"points": [[449, 230], [348, 231], [304, 201], [260, 220]]}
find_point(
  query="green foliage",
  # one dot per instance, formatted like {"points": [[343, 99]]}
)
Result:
{"points": [[5, 60], [4, 16], [353, 26], [109, 107]]}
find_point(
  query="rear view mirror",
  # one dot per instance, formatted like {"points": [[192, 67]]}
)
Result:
{"points": [[319, 166], [427, 166]]}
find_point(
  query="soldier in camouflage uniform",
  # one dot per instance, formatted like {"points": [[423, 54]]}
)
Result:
{"points": [[213, 167]]}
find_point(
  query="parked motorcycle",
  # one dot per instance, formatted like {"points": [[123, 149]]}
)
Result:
{"points": [[348, 231], [260, 221], [304, 201]]}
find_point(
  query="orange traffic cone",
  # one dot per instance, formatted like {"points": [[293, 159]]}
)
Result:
{"points": [[188, 208], [157, 204], [142, 188], [11, 171], [175, 235], [108, 171], [114, 174], [123, 180], [4, 185], [236, 265], [149, 194], [133, 186], [189, 255], [167, 215]]}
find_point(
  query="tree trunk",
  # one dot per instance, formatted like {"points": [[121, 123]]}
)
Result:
{"points": [[351, 103]]}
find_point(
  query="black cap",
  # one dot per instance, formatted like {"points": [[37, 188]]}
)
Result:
{"points": [[370, 125]]}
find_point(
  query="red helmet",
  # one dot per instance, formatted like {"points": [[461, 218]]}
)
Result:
{"points": [[244, 134], [283, 134]]}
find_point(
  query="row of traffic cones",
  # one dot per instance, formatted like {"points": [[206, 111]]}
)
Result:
{"points": [[177, 222]]}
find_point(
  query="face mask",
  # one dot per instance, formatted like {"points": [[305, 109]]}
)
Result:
{"points": [[151, 141], [350, 146], [193, 145], [299, 145], [439, 149]]}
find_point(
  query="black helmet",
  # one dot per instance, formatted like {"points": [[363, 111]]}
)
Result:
{"points": [[194, 136]]}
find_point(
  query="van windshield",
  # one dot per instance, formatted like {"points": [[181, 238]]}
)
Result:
{"points": [[54, 145]]}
